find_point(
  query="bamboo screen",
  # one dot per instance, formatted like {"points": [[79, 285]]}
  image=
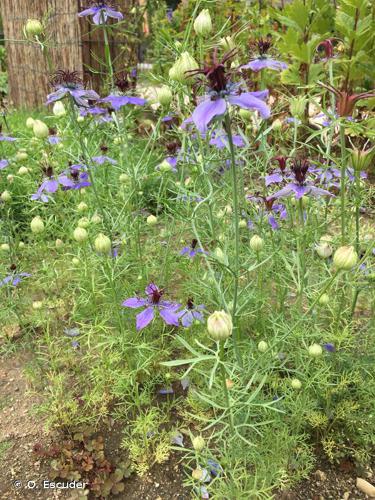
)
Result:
{"points": [[75, 45]]}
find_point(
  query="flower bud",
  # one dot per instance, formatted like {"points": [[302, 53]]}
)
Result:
{"points": [[345, 258], [151, 220], [229, 383], [228, 210], [10, 178], [219, 254], [219, 325], [37, 304], [165, 166], [124, 179], [361, 159], [277, 124], [59, 109], [96, 219], [203, 23], [242, 224], [164, 95], [6, 196], [324, 250], [83, 222], [59, 243], [102, 243], [21, 155], [23, 171], [256, 243], [82, 207], [21, 244], [33, 27], [5, 247], [227, 43], [80, 119], [75, 261], [40, 129], [315, 350], [30, 122], [198, 443], [262, 346], [324, 299], [296, 384], [184, 63], [297, 106], [80, 234], [37, 225]]}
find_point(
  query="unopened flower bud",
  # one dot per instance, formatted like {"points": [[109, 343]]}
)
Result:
{"points": [[262, 346], [96, 219], [23, 171], [324, 299], [59, 109], [165, 166], [75, 261], [33, 27], [361, 159], [296, 384], [246, 115], [37, 225], [203, 23], [277, 124], [324, 250], [37, 304], [5, 247], [124, 179], [82, 207], [256, 243], [59, 243], [315, 350], [345, 258], [164, 95], [30, 122], [219, 325], [227, 43], [21, 244], [6, 196], [40, 129], [242, 224], [80, 234], [21, 156], [198, 443], [184, 63], [84, 222], [10, 178], [80, 119], [219, 254], [151, 220], [102, 243]]}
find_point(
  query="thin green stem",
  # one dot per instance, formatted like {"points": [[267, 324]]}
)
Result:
{"points": [[225, 387], [343, 182]]}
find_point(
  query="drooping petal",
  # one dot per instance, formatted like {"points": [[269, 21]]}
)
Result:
{"points": [[114, 13], [144, 318], [100, 17], [168, 316], [249, 101], [60, 93], [3, 164], [134, 302], [187, 319], [274, 178], [88, 12], [51, 185], [259, 64], [206, 111]]}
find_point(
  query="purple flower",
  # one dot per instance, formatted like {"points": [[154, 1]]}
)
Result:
{"points": [[49, 185], [223, 92], [3, 164], [75, 177], [264, 62], [166, 390], [154, 301], [100, 12], [177, 438], [329, 347], [67, 83], [53, 139], [102, 159], [118, 101], [7, 138], [300, 187], [268, 208], [14, 279], [191, 313], [220, 140], [192, 250]]}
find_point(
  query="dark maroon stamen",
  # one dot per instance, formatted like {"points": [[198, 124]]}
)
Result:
{"points": [[299, 169], [156, 295], [190, 303], [194, 243], [216, 73], [124, 82], [48, 170], [66, 78], [281, 160], [264, 45]]}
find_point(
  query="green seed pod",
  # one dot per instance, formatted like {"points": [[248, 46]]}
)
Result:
{"points": [[219, 325]]}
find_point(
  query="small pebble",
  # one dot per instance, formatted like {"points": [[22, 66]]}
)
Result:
{"points": [[365, 487]]}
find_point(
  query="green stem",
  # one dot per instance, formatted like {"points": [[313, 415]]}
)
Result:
{"points": [[343, 183], [225, 387]]}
